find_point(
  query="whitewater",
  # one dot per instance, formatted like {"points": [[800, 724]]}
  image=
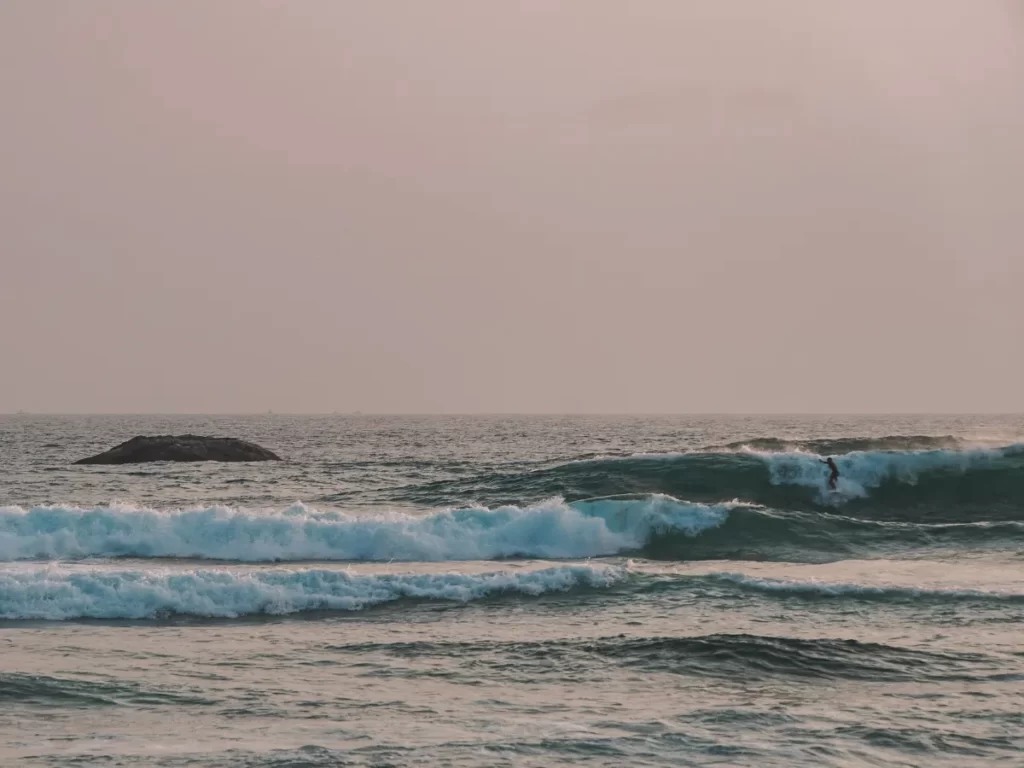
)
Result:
{"points": [[480, 591], [550, 529]]}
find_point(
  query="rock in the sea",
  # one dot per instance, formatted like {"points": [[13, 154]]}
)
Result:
{"points": [[182, 448]]}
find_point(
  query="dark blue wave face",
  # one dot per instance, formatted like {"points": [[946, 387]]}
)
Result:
{"points": [[936, 485], [751, 533]]}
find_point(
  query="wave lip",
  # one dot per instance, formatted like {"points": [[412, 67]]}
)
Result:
{"points": [[843, 445], [58, 594], [551, 529]]}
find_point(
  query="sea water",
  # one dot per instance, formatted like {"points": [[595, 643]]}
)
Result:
{"points": [[520, 591]]}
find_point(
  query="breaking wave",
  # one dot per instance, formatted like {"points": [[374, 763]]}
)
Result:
{"points": [[551, 529], [56, 594], [944, 484], [658, 527], [842, 445]]}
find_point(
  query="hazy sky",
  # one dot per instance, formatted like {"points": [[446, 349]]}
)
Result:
{"points": [[538, 206]]}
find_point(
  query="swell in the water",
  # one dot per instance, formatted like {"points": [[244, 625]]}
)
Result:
{"points": [[961, 485], [857, 591], [713, 655], [758, 533], [18, 688]]}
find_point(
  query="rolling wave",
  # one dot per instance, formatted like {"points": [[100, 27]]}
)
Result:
{"points": [[57, 594], [658, 527], [703, 655], [49, 691], [942, 484], [551, 529], [757, 533], [767, 655]]}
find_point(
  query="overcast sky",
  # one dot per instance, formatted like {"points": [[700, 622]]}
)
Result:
{"points": [[536, 206]]}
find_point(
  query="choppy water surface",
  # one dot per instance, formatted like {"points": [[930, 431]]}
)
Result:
{"points": [[479, 591]]}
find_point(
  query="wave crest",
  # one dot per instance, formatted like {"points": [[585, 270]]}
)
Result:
{"points": [[551, 529], [949, 484], [57, 594]]}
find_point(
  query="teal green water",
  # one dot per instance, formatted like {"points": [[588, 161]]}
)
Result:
{"points": [[521, 591]]}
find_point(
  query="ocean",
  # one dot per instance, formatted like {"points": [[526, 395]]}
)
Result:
{"points": [[515, 591]]}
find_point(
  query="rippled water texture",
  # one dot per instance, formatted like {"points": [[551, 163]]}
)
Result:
{"points": [[520, 591]]}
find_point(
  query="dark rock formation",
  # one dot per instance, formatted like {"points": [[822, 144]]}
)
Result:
{"points": [[181, 448]]}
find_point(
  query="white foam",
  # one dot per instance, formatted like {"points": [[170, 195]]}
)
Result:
{"points": [[551, 529], [56, 593], [862, 471]]}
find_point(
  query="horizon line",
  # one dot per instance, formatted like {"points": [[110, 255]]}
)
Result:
{"points": [[510, 413]]}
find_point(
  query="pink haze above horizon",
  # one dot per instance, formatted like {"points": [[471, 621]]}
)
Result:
{"points": [[460, 206]]}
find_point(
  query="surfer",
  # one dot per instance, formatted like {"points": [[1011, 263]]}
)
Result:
{"points": [[835, 472]]}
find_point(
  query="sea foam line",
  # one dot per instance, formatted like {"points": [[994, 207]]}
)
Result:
{"points": [[55, 593], [551, 529]]}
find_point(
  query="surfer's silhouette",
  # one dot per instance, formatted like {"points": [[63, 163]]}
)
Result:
{"points": [[835, 472]]}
